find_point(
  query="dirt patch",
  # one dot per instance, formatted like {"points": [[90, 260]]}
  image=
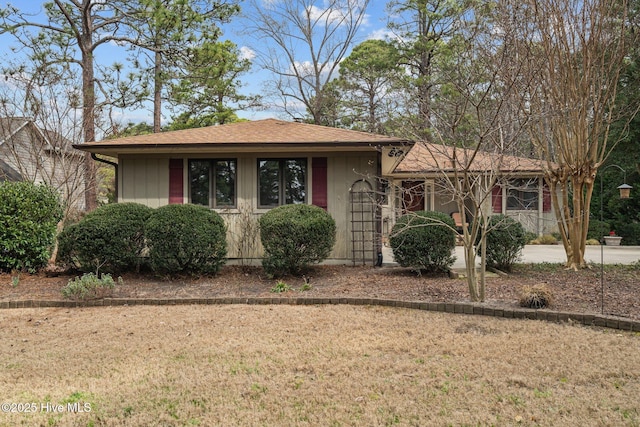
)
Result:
{"points": [[310, 365], [572, 291]]}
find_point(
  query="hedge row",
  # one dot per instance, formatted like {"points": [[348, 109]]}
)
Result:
{"points": [[178, 239]]}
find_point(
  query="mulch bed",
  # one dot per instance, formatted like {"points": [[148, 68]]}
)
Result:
{"points": [[578, 292]]}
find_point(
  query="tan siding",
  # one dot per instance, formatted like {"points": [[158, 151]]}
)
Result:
{"points": [[26, 154], [342, 172], [146, 180]]}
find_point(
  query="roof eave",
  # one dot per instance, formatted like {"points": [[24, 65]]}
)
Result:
{"points": [[110, 149]]}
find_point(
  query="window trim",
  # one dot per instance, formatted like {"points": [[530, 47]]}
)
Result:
{"points": [[281, 179], [212, 182]]}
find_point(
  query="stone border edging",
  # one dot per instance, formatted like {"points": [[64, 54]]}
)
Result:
{"points": [[611, 322]]}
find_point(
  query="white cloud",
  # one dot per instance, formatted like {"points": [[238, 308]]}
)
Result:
{"points": [[381, 34], [247, 53]]}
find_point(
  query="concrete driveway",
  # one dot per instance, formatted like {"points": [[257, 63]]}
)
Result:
{"points": [[555, 254]]}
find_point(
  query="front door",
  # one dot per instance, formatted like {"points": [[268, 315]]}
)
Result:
{"points": [[413, 196]]}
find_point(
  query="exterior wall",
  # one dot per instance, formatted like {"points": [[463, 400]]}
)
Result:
{"points": [[540, 221], [145, 179], [26, 153]]}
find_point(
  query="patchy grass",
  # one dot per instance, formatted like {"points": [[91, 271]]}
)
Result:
{"points": [[312, 365]]}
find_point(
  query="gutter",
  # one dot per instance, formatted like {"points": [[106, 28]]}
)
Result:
{"points": [[95, 157]]}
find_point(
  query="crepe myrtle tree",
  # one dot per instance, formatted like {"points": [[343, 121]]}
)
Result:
{"points": [[578, 50], [475, 130]]}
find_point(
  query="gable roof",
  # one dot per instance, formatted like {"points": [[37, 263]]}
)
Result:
{"points": [[53, 141], [9, 126], [433, 158], [255, 134], [7, 173]]}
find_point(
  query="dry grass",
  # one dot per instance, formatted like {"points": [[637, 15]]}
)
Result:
{"points": [[313, 365]]}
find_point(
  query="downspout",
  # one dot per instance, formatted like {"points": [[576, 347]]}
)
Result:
{"points": [[115, 166]]}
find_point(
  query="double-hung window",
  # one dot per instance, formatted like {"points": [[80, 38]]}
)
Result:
{"points": [[282, 182], [522, 194], [212, 183]]}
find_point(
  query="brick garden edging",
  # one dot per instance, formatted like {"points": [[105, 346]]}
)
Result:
{"points": [[612, 322]]}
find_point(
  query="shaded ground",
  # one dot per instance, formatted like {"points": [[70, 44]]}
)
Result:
{"points": [[572, 291]]}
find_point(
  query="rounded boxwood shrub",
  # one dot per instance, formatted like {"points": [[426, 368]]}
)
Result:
{"points": [[186, 239], [110, 239], [294, 237], [29, 214], [505, 240], [424, 240]]}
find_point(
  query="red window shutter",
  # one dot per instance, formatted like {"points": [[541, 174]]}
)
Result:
{"points": [[176, 181], [546, 198], [496, 199], [319, 182]]}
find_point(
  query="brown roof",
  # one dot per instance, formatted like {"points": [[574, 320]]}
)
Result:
{"points": [[254, 133], [429, 158]]}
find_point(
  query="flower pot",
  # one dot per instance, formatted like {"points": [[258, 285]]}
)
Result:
{"points": [[612, 240]]}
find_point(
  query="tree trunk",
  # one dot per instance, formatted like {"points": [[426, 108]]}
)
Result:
{"points": [[157, 93], [88, 118]]}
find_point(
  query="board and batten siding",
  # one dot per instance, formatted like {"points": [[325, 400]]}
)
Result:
{"points": [[143, 180], [146, 180]]}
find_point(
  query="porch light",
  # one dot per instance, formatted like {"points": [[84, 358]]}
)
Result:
{"points": [[625, 191]]}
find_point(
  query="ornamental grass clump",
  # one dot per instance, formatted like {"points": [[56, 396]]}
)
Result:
{"points": [[536, 296], [294, 237]]}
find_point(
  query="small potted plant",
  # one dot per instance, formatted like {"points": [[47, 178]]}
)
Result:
{"points": [[612, 239]]}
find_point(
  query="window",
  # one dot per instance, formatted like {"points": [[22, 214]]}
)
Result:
{"points": [[212, 183], [282, 182], [522, 194]]}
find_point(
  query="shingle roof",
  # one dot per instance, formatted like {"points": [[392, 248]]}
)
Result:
{"points": [[261, 132], [429, 158]]}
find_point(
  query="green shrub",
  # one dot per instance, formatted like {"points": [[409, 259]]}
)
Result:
{"points": [[186, 239], [505, 239], [294, 237], [598, 229], [89, 286], [111, 238], [29, 214], [424, 241], [630, 233]]}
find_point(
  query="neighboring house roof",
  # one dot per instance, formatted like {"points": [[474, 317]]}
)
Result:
{"points": [[9, 126], [55, 142], [7, 173], [254, 134], [433, 158]]}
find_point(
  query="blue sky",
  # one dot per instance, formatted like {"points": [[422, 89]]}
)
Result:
{"points": [[374, 26]]}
